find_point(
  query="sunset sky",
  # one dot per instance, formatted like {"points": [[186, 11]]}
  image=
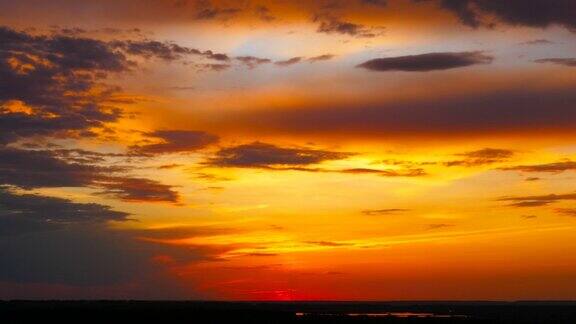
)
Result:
{"points": [[288, 150]]}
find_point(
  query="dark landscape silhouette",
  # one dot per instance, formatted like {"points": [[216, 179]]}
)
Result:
{"points": [[13, 312]]}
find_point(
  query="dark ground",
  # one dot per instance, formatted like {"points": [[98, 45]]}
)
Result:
{"points": [[82, 312]]}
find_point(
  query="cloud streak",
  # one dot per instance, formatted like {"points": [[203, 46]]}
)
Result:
{"points": [[137, 190], [556, 167], [176, 141], [331, 25], [383, 212], [482, 157], [289, 62], [538, 201], [569, 62], [264, 155], [427, 62]]}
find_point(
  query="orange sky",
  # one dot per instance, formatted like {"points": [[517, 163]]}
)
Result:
{"points": [[287, 150]]}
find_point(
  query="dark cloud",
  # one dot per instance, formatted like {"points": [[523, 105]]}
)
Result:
{"points": [[163, 50], [176, 141], [540, 41], [71, 53], [168, 51], [320, 58], [154, 49], [48, 84], [216, 56], [272, 157], [20, 213], [537, 201], [290, 61], [461, 8], [489, 153], [169, 166], [531, 203], [517, 111], [406, 163], [387, 211], [438, 226], [53, 85], [404, 172], [210, 177], [300, 59], [29, 169], [327, 243], [571, 62], [68, 31], [331, 25], [482, 157], [556, 167], [137, 190], [81, 156], [214, 67], [252, 61], [427, 62], [41, 169], [76, 31], [263, 155], [532, 13], [567, 211]]}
